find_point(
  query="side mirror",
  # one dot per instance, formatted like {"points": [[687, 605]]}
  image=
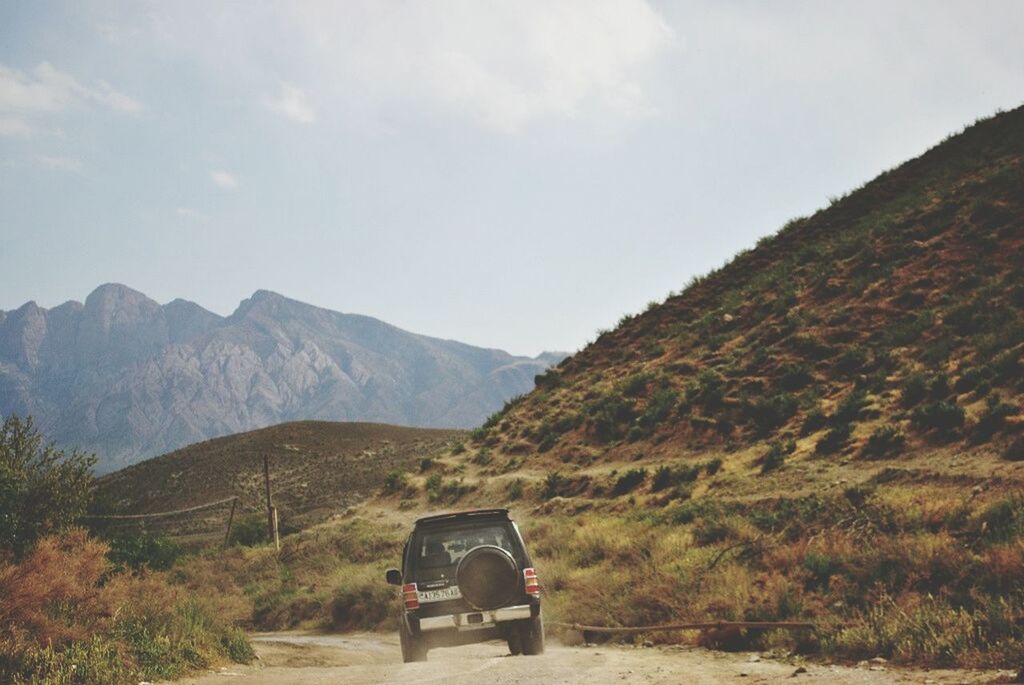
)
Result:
{"points": [[393, 576]]}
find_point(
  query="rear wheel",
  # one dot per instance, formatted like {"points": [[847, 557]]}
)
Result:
{"points": [[532, 636], [413, 648], [515, 641]]}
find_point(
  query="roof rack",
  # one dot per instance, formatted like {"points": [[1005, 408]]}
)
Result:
{"points": [[463, 516]]}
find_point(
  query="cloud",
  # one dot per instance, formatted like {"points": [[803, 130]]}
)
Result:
{"points": [[190, 214], [68, 164], [503, 65], [14, 127], [293, 104], [223, 179], [25, 96], [47, 89]]}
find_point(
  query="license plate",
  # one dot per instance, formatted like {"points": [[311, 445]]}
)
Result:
{"points": [[440, 595]]}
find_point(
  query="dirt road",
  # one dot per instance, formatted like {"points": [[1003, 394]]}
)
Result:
{"points": [[306, 659]]}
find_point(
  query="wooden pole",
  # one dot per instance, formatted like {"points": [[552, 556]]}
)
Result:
{"points": [[270, 503], [277, 537], [231, 519]]}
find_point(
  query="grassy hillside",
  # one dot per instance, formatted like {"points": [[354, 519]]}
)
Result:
{"points": [[896, 312], [317, 468]]}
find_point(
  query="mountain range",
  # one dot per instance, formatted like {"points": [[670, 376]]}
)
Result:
{"points": [[128, 378]]}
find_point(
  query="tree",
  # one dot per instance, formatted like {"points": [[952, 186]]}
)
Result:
{"points": [[43, 490]]}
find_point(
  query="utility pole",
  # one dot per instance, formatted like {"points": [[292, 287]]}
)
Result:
{"points": [[272, 533], [231, 519]]}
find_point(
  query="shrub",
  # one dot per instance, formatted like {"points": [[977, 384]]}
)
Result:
{"points": [[608, 417], [708, 390], [515, 489], [943, 417], [143, 550], [852, 360], [768, 413], [43, 490], [813, 422], [395, 481], [850, 408], [992, 420], [775, 457], [629, 481], [913, 390], [554, 485], [834, 440], [884, 441], [1015, 450], [795, 377], [250, 530], [666, 476], [713, 466]]}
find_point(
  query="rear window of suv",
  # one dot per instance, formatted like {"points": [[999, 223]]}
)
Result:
{"points": [[439, 550]]}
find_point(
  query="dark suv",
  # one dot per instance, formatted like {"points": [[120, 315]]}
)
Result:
{"points": [[465, 578]]}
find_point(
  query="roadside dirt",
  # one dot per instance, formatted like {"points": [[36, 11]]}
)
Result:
{"points": [[357, 659]]}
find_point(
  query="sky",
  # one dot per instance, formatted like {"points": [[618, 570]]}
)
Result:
{"points": [[513, 173]]}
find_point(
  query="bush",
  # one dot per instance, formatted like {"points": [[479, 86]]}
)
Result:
{"points": [[944, 418], [395, 481], [250, 531], [554, 484], [850, 408], [851, 361], [43, 490], [713, 466], [834, 440], [1015, 450], [775, 457], [795, 377], [769, 413], [913, 390], [142, 550], [666, 476], [884, 441], [813, 422], [515, 489], [992, 420], [629, 481]]}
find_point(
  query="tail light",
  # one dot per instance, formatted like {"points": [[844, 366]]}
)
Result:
{"points": [[411, 596], [532, 583]]}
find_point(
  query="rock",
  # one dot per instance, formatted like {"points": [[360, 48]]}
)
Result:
{"points": [[798, 671]]}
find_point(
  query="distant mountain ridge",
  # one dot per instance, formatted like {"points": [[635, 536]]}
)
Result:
{"points": [[128, 378]]}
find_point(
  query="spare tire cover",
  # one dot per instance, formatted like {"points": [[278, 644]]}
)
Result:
{"points": [[488, 577]]}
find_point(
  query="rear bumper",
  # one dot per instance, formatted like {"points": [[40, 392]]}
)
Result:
{"points": [[475, 620]]}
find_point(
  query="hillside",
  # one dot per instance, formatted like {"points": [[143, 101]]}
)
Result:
{"points": [[127, 378], [896, 312], [317, 468]]}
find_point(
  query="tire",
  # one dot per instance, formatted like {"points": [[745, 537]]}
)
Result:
{"points": [[413, 649], [532, 635], [515, 641]]}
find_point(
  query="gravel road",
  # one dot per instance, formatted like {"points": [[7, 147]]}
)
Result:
{"points": [[357, 659]]}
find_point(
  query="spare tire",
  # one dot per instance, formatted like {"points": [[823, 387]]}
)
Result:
{"points": [[488, 577]]}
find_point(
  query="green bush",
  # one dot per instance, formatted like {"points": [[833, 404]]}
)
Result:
{"points": [[775, 457], [629, 481], [813, 422], [666, 476], [992, 420], [1015, 450], [713, 466], [943, 417], [554, 485], [913, 390], [884, 441], [834, 439], [395, 481], [43, 490], [157, 553], [769, 413]]}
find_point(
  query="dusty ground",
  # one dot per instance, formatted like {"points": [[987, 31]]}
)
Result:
{"points": [[307, 659]]}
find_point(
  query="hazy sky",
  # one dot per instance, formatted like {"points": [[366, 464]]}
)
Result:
{"points": [[514, 174]]}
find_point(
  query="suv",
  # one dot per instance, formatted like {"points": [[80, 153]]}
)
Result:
{"points": [[465, 578]]}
